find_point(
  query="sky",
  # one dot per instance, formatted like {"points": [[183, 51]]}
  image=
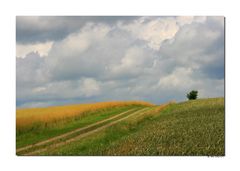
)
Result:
{"points": [[64, 60]]}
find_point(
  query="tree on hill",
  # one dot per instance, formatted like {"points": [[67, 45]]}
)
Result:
{"points": [[192, 95]]}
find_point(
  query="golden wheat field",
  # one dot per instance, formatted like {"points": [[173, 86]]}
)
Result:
{"points": [[27, 117]]}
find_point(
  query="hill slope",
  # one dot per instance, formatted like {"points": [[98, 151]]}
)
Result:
{"points": [[188, 128]]}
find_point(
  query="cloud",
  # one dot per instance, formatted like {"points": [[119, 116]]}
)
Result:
{"points": [[157, 30], [41, 48], [36, 29], [30, 74], [90, 87], [31, 70], [154, 32], [133, 63], [154, 59], [180, 78], [199, 46], [80, 54]]}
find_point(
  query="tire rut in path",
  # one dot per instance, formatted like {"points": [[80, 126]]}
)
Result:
{"points": [[35, 152], [70, 132], [44, 142]]}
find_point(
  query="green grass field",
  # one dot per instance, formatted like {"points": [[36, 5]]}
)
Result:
{"points": [[188, 128], [39, 132]]}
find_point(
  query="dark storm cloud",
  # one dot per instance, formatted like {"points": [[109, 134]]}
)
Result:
{"points": [[41, 29]]}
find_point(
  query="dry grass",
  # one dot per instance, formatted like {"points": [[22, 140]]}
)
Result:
{"points": [[161, 107], [28, 117]]}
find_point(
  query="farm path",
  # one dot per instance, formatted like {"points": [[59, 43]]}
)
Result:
{"points": [[83, 132]]}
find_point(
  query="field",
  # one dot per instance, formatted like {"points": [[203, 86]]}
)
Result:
{"points": [[125, 128]]}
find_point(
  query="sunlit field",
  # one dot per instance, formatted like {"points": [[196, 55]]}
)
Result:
{"points": [[28, 117], [36, 124], [195, 127]]}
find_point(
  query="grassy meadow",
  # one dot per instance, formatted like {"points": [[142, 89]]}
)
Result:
{"points": [[193, 127], [37, 124], [32, 116]]}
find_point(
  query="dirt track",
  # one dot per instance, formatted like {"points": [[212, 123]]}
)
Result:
{"points": [[81, 135]]}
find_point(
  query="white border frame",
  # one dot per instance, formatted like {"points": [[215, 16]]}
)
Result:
{"points": [[9, 10]]}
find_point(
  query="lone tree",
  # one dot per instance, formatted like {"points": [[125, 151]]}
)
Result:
{"points": [[192, 95]]}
